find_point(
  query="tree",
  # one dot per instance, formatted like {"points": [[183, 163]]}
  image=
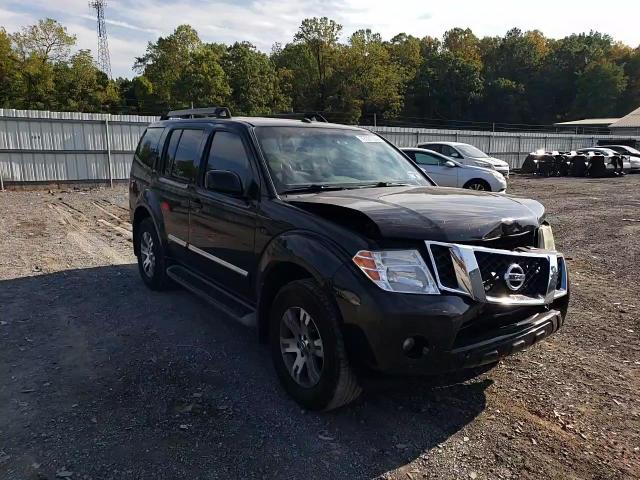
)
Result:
{"points": [[253, 80], [203, 81], [598, 88], [48, 40], [369, 81], [8, 70], [166, 59], [320, 38]]}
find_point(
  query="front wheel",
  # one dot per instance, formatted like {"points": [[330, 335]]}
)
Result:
{"points": [[308, 349], [477, 184]]}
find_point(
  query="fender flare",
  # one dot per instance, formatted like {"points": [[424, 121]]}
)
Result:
{"points": [[150, 203], [307, 251]]}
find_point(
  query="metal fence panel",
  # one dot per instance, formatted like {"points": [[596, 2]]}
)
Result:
{"points": [[37, 146], [58, 146]]}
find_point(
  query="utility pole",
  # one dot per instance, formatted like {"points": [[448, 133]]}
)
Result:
{"points": [[104, 59]]}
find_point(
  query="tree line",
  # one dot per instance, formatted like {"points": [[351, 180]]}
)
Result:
{"points": [[521, 77]]}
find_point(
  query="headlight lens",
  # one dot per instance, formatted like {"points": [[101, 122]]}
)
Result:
{"points": [[545, 238], [485, 165], [401, 271]]}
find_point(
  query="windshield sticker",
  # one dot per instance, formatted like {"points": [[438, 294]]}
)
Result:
{"points": [[369, 138]]}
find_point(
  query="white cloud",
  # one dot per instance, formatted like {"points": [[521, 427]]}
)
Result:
{"points": [[132, 23]]}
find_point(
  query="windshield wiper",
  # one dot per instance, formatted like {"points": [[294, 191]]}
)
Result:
{"points": [[313, 187], [385, 184]]}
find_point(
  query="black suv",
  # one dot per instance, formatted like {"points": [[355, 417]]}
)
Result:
{"points": [[341, 252]]}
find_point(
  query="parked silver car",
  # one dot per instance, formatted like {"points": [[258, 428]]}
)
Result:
{"points": [[632, 153], [467, 155], [449, 173]]}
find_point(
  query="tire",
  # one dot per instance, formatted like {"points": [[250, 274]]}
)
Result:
{"points": [[152, 265], [323, 382], [477, 184]]}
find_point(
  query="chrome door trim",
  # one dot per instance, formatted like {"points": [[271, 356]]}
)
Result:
{"points": [[219, 261]]}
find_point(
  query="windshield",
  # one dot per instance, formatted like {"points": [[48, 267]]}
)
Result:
{"points": [[332, 157], [471, 151]]}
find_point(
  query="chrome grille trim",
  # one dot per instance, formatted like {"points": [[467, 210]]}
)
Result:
{"points": [[470, 281]]}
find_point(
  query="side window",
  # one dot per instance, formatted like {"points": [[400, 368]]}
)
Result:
{"points": [[171, 151], [228, 153], [147, 151], [426, 159], [450, 152], [187, 157], [435, 147]]}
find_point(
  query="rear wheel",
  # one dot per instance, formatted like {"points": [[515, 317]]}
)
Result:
{"points": [[478, 184], [308, 349], [151, 258]]}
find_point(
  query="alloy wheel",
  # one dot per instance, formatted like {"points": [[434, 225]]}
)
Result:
{"points": [[301, 347], [148, 257]]}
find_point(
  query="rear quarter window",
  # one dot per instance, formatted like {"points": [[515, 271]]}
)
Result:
{"points": [[148, 148]]}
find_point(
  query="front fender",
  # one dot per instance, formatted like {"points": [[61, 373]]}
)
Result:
{"points": [[316, 254], [290, 256]]}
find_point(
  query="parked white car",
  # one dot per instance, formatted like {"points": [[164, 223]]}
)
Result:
{"points": [[467, 155], [449, 173], [632, 153]]}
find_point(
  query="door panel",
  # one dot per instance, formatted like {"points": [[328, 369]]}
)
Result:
{"points": [[222, 228], [434, 166], [175, 186]]}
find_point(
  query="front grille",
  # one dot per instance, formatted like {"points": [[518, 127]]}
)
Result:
{"points": [[493, 267], [444, 264], [481, 273]]}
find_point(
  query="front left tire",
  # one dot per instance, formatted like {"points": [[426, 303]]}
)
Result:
{"points": [[308, 349]]}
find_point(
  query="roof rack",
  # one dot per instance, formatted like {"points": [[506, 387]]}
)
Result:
{"points": [[208, 112], [306, 117], [314, 117]]}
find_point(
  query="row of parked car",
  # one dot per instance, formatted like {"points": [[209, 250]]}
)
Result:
{"points": [[455, 164], [599, 161]]}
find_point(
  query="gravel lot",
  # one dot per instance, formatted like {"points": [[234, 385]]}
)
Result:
{"points": [[101, 378]]}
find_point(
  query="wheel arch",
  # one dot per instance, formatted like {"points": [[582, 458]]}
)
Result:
{"points": [[478, 180], [141, 212], [291, 257]]}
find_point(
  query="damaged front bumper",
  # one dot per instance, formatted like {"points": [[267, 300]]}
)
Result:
{"points": [[475, 320]]}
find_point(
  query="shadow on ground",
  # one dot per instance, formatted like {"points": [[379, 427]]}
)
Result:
{"points": [[105, 379]]}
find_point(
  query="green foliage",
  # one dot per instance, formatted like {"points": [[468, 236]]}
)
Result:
{"points": [[521, 77]]}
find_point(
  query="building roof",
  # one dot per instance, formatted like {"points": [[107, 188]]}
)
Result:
{"points": [[587, 122], [631, 120]]}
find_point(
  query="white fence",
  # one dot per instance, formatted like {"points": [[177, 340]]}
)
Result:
{"points": [[513, 147], [40, 146]]}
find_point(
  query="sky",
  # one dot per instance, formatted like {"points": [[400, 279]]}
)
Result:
{"points": [[133, 23]]}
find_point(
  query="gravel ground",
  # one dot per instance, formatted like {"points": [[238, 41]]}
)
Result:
{"points": [[101, 378]]}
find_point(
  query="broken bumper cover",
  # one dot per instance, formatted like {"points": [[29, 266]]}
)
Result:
{"points": [[451, 332]]}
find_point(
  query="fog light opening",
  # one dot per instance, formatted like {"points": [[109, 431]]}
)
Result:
{"points": [[415, 347]]}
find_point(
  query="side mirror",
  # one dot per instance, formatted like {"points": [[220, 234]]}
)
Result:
{"points": [[449, 164], [223, 181]]}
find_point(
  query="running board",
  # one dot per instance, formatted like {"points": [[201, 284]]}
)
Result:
{"points": [[239, 310]]}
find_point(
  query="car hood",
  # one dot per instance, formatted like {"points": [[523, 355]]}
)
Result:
{"points": [[425, 213]]}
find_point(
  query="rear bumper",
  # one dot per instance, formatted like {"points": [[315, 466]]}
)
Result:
{"points": [[450, 332]]}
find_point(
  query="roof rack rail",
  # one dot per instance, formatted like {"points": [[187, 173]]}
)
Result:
{"points": [[314, 117], [208, 112], [306, 117]]}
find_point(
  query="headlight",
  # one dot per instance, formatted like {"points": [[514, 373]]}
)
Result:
{"points": [[401, 271], [545, 238], [485, 165]]}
